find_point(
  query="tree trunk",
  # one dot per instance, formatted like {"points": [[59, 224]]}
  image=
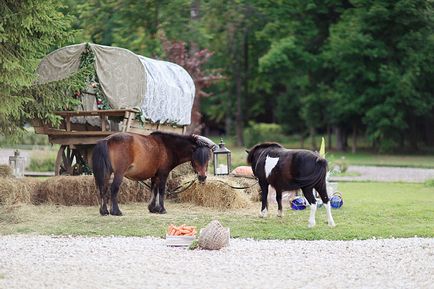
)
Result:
{"points": [[196, 117], [329, 137], [312, 137], [429, 132], [239, 113], [194, 9], [302, 140], [413, 135], [340, 139], [354, 142], [228, 124]]}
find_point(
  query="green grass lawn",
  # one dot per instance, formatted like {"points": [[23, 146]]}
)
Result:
{"points": [[370, 159], [381, 210], [362, 157]]}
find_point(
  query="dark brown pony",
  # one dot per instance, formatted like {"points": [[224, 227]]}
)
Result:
{"points": [[140, 157], [288, 170]]}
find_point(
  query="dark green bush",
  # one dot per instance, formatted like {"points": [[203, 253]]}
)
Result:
{"points": [[262, 132], [341, 165], [39, 164], [26, 138], [429, 183]]}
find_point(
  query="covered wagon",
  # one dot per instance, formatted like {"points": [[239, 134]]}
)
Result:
{"points": [[129, 93]]}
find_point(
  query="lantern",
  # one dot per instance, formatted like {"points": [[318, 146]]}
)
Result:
{"points": [[222, 160], [16, 162]]}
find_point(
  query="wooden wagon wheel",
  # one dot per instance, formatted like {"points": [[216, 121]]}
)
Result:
{"points": [[69, 162]]}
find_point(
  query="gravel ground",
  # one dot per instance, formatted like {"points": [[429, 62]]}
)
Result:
{"points": [[132, 262], [387, 174]]}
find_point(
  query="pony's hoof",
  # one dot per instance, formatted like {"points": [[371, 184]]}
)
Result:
{"points": [[156, 210], [311, 225], [115, 213], [103, 212], [263, 213], [279, 214], [332, 225]]}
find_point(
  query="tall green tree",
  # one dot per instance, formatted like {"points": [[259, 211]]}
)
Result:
{"points": [[137, 25], [297, 33], [28, 30], [231, 27], [382, 54]]}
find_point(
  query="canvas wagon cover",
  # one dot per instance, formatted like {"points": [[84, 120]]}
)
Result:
{"points": [[164, 91]]}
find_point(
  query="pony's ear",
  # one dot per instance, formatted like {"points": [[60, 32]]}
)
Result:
{"points": [[247, 151]]}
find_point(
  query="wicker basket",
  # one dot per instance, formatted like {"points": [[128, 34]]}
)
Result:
{"points": [[214, 236]]}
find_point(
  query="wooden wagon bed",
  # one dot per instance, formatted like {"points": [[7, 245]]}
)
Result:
{"points": [[77, 140]]}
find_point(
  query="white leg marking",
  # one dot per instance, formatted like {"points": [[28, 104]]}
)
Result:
{"points": [[329, 215], [279, 213], [270, 163], [157, 200], [264, 213], [312, 216]]}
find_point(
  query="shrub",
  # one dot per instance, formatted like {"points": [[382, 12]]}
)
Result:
{"points": [[429, 183], [339, 165], [42, 163], [28, 137], [261, 132]]}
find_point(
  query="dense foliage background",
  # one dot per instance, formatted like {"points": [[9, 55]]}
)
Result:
{"points": [[349, 69]]}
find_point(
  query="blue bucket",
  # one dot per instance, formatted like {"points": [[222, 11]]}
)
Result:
{"points": [[336, 201], [299, 203]]}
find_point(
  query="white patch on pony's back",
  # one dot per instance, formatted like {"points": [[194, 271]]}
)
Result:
{"points": [[270, 163]]}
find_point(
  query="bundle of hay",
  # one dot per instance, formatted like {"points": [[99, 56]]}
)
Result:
{"points": [[251, 186], [5, 171], [181, 171], [81, 190], [214, 236], [14, 191], [216, 192]]}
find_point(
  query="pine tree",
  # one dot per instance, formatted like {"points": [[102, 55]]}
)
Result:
{"points": [[28, 30]]}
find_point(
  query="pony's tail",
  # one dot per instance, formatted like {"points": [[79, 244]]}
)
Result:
{"points": [[321, 161], [101, 164]]}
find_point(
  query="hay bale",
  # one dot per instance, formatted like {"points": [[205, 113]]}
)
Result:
{"points": [[216, 192], [81, 190], [5, 171], [181, 171], [15, 191], [251, 185]]}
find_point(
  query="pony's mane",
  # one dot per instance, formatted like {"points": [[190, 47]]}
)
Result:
{"points": [[260, 146], [193, 139], [174, 136], [201, 152]]}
